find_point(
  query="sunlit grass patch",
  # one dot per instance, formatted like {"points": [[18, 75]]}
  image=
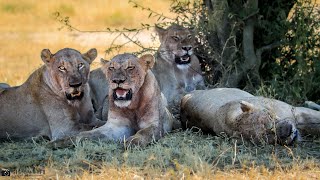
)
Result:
{"points": [[29, 26]]}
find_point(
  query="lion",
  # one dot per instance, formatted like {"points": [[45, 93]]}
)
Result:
{"points": [[237, 113], [54, 102], [312, 105], [137, 110], [177, 69], [99, 93]]}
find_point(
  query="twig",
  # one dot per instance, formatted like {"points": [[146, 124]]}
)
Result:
{"points": [[136, 5], [267, 47], [235, 153], [250, 15]]}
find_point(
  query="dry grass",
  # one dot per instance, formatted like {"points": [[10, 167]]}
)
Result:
{"points": [[180, 155], [27, 27], [37, 16]]}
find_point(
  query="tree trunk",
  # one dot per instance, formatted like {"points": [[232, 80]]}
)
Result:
{"points": [[244, 69], [232, 36], [222, 37]]}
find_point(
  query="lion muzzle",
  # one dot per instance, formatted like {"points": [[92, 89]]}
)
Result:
{"points": [[122, 94], [185, 59], [76, 95]]}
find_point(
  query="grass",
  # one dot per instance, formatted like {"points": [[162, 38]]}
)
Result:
{"points": [[27, 27], [182, 154]]}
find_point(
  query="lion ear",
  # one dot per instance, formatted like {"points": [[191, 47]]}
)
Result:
{"points": [[146, 61], [104, 62], [192, 30], [90, 55], [161, 31], [105, 65], [246, 106], [46, 56]]}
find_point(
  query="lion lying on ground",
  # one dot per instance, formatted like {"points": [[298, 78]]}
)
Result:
{"points": [[54, 102], [240, 114], [176, 68], [137, 110]]}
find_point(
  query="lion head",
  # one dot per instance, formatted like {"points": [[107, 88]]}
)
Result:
{"points": [[263, 125], [177, 44], [126, 74], [68, 71]]}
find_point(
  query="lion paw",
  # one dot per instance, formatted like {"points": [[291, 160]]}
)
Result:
{"points": [[62, 143], [135, 141]]}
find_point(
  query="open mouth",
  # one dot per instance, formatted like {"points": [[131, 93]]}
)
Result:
{"points": [[76, 95], [185, 59], [120, 94]]}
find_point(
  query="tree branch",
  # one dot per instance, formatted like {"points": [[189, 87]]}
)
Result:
{"points": [[265, 48]]}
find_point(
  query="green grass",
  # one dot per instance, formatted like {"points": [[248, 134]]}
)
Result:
{"points": [[182, 153]]}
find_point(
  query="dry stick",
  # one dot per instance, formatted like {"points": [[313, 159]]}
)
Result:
{"points": [[136, 43], [235, 153], [219, 157], [150, 10]]}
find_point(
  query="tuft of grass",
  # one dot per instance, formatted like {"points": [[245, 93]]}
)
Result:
{"points": [[182, 154]]}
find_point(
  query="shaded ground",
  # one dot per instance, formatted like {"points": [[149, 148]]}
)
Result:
{"points": [[181, 152]]}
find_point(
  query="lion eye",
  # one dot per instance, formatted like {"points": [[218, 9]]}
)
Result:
{"points": [[176, 38], [111, 68], [80, 66], [130, 67], [62, 68], [189, 36]]}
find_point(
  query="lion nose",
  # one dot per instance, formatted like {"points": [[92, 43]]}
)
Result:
{"points": [[74, 85], [187, 48], [118, 81]]}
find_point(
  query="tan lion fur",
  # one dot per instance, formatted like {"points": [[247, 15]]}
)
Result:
{"points": [[53, 102], [99, 93], [176, 80], [238, 113]]}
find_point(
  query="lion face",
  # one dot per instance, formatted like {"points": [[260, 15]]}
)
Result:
{"points": [[263, 125], [126, 74], [177, 44], [68, 71]]}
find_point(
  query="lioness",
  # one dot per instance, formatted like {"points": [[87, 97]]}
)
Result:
{"points": [[54, 102], [176, 68], [99, 86], [238, 113], [137, 110]]}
